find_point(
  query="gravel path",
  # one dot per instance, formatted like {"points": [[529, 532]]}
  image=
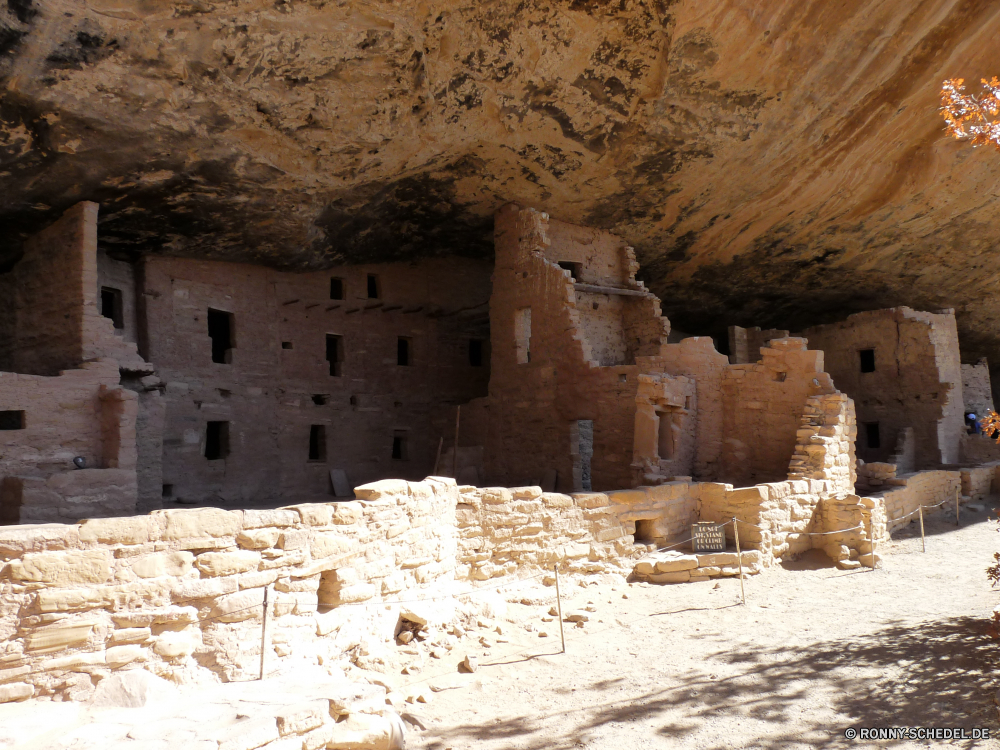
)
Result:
{"points": [[815, 650]]}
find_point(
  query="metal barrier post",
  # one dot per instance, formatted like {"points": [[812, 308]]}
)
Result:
{"points": [[263, 633], [923, 541], [739, 556], [562, 635]]}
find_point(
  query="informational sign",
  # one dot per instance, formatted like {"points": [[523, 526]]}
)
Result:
{"points": [[708, 537]]}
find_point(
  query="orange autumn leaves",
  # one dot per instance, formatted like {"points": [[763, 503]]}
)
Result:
{"points": [[971, 117]]}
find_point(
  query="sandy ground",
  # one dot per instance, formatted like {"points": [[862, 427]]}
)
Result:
{"points": [[814, 651]]}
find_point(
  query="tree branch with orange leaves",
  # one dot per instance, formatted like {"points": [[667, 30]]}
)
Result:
{"points": [[970, 117]]}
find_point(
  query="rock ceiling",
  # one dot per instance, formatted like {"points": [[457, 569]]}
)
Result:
{"points": [[774, 162]]}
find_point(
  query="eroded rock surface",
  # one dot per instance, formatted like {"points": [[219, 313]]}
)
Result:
{"points": [[773, 163]]}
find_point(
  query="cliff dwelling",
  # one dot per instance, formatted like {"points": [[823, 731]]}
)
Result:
{"points": [[391, 375]]}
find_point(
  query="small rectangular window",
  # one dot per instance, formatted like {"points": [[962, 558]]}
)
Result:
{"points": [[522, 335], [319, 399], [220, 330], [573, 268], [867, 357], [317, 442], [403, 354], [476, 352], [111, 306], [11, 420], [334, 353], [399, 446], [374, 288], [168, 490], [336, 288], [872, 437], [216, 440], [286, 345]]}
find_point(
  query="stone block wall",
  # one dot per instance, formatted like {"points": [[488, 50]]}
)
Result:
{"points": [[978, 449], [80, 413], [978, 481], [278, 386], [503, 531], [922, 488], [660, 514], [916, 381], [763, 406], [180, 592]]}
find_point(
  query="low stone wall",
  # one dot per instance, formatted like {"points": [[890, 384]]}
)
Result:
{"points": [[978, 481], [503, 531], [180, 592], [658, 514], [923, 488]]}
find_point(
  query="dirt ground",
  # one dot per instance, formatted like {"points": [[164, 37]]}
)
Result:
{"points": [[816, 650]]}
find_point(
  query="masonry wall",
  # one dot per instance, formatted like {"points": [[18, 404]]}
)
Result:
{"points": [[180, 592], [277, 384], [916, 383], [65, 363], [976, 388], [536, 401], [762, 406], [50, 289]]}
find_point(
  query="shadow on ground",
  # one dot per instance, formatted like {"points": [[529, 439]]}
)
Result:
{"points": [[932, 674]]}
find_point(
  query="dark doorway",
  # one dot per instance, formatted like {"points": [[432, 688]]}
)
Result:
{"points": [[220, 330], [216, 440]]}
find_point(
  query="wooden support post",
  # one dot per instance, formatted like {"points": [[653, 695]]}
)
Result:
{"points": [[562, 635], [923, 541], [454, 463], [958, 492], [437, 458], [739, 557], [263, 634]]}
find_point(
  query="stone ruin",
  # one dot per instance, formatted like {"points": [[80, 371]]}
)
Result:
{"points": [[319, 421]]}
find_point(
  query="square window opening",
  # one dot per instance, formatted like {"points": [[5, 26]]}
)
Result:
{"points": [[287, 345], [336, 288], [779, 377], [168, 490], [317, 442], [404, 354], [867, 357], [872, 437], [111, 306], [572, 267], [476, 352], [335, 354], [319, 399], [374, 287], [12, 420], [400, 448], [216, 440], [221, 327]]}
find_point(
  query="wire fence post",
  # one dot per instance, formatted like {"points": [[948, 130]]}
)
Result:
{"points": [[871, 536], [739, 557], [263, 634], [958, 491], [562, 635], [923, 541]]}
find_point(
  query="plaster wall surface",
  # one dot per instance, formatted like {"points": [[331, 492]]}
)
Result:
{"points": [[916, 380], [277, 389]]}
